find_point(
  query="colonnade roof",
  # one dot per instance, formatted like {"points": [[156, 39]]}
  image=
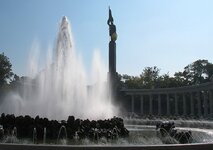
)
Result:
{"points": [[184, 89]]}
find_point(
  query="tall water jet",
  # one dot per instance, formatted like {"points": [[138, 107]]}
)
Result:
{"points": [[61, 88]]}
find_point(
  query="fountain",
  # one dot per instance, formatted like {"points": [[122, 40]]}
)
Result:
{"points": [[45, 135], [61, 90], [34, 136], [76, 137], [14, 132], [63, 137]]}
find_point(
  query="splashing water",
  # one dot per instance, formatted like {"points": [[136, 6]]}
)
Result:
{"points": [[61, 88], [34, 135]]}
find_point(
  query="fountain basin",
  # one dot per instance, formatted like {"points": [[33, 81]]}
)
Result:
{"points": [[138, 133], [147, 135], [197, 146]]}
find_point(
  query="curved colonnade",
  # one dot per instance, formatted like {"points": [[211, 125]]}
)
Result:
{"points": [[196, 100]]}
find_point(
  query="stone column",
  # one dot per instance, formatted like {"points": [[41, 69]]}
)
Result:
{"points": [[192, 103], [211, 102], [184, 104], [159, 104], [142, 104], [176, 104], [150, 104], [205, 104], [133, 103], [167, 104], [198, 104]]}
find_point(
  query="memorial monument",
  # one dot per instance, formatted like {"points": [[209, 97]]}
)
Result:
{"points": [[112, 74]]}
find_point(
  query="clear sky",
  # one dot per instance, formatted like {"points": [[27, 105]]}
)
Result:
{"points": [[168, 34]]}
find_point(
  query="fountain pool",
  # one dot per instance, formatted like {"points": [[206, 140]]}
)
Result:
{"points": [[138, 135]]}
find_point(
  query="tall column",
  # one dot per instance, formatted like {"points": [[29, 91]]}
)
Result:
{"points": [[184, 104], [112, 74], [176, 104], [205, 103], [198, 104], [192, 103], [211, 102], [159, 104], [142, 104], [112, 44], [133, 103], [167, 104], [150, 103]]}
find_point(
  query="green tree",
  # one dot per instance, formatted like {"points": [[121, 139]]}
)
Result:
{"points": [[132, 82], [209, 71], [165, 81], [5, 70], [198, 72], [150, 76], [180, 79]]}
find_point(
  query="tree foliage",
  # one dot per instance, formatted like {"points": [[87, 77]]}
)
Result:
{"points": [[150, 76], [5, 70], [198, 72]]}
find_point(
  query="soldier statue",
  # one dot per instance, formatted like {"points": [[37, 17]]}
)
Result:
{"points": [[112, 27]]}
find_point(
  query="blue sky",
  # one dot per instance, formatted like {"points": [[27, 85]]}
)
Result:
{"points": [[166, 33]]}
